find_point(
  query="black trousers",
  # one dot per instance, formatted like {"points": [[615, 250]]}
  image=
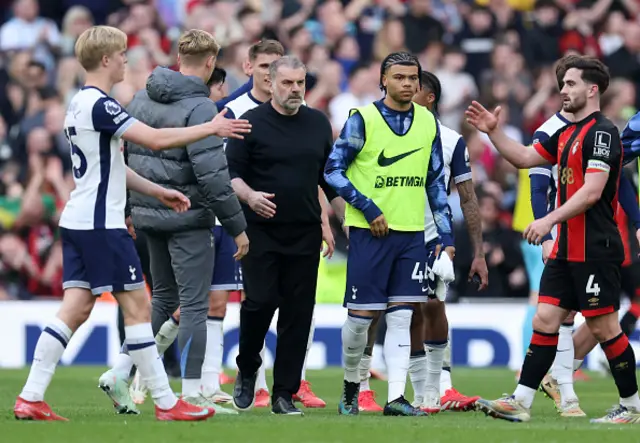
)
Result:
{"points": [[286, 281]]}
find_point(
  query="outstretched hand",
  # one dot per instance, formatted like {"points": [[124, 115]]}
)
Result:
{"points": [[175, 200], [482, 119], [229, 128]]}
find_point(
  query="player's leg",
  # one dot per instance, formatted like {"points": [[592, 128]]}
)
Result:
{"points": [[599, 285], [192, 259], [558, 384], [366, 396], [418, 359], [555, 301], [305, 394], [532, 256], [631, 287], [368, 269], [409, 285]]}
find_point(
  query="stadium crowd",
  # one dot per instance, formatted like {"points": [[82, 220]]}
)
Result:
{"points": [[499, 51]]}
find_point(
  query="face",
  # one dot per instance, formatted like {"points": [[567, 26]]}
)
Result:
{"points": [[218, 91], [260, 69], [115, 64], [401, 82], [289, 87], [425, 98], [575, 91], [27, 9]]}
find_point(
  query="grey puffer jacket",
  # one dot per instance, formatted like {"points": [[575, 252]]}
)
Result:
{"points": [[198, 170]]}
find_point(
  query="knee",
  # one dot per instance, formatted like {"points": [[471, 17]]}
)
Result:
{"points": [[217, 305], [74, 316], [251, 305], [399, 316], [544, 323], [604, 328], [137, 308]]}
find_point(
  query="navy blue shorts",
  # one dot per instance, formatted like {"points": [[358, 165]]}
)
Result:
{"points": [[101, 260], [227, 273], [394, 268]]}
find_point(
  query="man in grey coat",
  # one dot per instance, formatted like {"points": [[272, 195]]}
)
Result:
{"points": [[181, 248]]}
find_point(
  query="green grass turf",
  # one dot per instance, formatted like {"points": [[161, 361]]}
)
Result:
{"points": [[74, 394]]}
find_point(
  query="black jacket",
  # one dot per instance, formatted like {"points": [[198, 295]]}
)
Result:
{"points": [[198, 170]]}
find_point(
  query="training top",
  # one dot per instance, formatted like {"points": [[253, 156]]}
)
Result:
{"points": [[393, 172], [93, 125], [589, 145]]}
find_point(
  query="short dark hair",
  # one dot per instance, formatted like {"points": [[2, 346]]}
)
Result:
{"points": [[273, 47], [399, 58], [561, 68], [218, 77], [593, 71], [432, 83]]}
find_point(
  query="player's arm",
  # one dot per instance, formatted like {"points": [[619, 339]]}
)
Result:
{"points": [[628, 201], [141, 185], [345, 150], [210, 168], [462, 177], [235, 94], [437, 192], [540, 178], [631, 139], [599, 165]]}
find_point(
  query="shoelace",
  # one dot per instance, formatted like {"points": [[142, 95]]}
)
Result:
{"points": [[616, 410]]}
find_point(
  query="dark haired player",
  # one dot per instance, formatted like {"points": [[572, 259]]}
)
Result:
{"points": [[583, 269], [386, 155], [430, 364]]}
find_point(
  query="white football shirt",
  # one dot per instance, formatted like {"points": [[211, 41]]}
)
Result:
{"points": [[456, 163], [93, 125]]}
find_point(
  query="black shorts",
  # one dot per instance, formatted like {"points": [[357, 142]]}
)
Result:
{"points": [[631, 280], [591, 288]]}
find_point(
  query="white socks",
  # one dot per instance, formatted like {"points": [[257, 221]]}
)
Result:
{"points": [[397, 349], [212, 365], [49, 349], [435, 356], [192, 387], [309, 343], [354, 340], [524, 395], [562, 369], [631, 402], [261, 381], [363, 367], [418, 375], [445, 375], [167, 335], [577, 364], [144, 353], [123, 364]]}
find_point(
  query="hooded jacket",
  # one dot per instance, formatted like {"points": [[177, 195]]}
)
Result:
{"points": [[198, 170]]}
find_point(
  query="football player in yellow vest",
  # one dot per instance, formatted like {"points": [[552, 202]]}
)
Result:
{"points": [[387, 154]]}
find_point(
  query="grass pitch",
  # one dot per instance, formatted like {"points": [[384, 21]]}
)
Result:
{"points": [[74, 394]]}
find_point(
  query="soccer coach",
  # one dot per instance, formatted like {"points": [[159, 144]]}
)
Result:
{"points": [[276, 171]]}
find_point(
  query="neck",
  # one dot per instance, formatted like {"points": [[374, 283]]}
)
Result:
{"points": [[99, 81], [280, 110], [392, 104], [584, 112], [259, 95], [193, 72]]}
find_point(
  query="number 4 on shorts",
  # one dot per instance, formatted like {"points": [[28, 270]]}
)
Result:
{"points": [[417, 273], [592, 287]]}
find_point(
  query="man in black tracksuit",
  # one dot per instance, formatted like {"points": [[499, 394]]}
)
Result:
{"points": [[275, 172]]}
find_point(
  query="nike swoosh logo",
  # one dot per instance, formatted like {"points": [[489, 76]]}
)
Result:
{"points": [[199, 414], [388, 161], [424, 289], [403, 346]]}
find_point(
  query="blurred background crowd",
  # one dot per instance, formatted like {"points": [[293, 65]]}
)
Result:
{"points": [[498, 51]]}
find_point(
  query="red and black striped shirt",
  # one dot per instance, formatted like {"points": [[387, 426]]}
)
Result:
{"points": [[589, 145]]}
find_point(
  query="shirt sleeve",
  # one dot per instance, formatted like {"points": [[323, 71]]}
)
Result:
{"points": [[110, 117], [238, 155], [345, 150], [631, 139], [548, 148], [437, 191], [230, 114], [602, 149], [235, 94], [540, 178], [628, 201], [328, 144], [460, 163]]}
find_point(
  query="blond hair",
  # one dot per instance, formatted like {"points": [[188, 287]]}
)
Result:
{"points": [[195, 46], [96, 42]]}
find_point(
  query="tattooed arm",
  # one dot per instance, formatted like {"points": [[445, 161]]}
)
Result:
{"points": [[461, 172]]}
